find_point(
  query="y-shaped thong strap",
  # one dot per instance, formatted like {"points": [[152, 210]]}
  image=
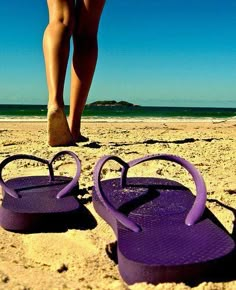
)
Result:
{"points": [[49, 163], [195, 212]]}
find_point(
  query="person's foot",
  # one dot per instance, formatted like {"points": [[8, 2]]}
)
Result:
{"points": [[58, 129], [82, 138], [75, 132]]}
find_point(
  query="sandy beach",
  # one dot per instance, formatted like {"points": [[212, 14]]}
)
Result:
{"points": [[77, 258]]}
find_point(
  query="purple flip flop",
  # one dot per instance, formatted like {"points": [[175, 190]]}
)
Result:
{"points": [[33, 202], [164, 233]]}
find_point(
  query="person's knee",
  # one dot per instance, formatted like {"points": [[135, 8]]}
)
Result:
{"points": [[62, 24], [86, 37], [85, 31], [61, 18]]}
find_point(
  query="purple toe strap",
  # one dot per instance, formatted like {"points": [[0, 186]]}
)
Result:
{"points": [[63, 192], [66, 190], [97, 182], [195, 212], [199, 205]]}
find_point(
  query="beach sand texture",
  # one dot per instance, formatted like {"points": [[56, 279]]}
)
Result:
{"points": [[77, 258]]}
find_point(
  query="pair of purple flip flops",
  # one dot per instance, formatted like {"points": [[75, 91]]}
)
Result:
{"points": [[164, 233]]}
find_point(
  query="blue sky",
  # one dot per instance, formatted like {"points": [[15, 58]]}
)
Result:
{"points": [[158, 53]]}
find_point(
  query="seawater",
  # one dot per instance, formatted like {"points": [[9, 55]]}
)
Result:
{"points": [[122, 112]]}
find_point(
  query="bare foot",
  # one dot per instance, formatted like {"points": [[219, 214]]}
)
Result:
{"points": [[75, 132], [58, 129], [82, 138]]}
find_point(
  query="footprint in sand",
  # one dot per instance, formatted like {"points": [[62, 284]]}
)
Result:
{"points": [[71, 248]]}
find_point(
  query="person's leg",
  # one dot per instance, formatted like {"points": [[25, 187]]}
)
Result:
{"points": [[87, 14], [56, 44]]}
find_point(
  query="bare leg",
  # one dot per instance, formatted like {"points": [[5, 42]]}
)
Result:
{"points": [[56, 45], [88, 14]]}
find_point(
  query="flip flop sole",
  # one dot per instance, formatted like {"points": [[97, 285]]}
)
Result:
{"points": [[166, 249], [37, 205]]}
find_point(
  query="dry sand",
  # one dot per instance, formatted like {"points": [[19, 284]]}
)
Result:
{"points": [[77, 258]]}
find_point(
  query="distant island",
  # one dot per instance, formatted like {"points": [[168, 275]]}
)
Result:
{"points": [[111, 104]]}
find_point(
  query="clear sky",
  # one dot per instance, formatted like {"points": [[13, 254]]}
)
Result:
{"points": [[156, 52]]}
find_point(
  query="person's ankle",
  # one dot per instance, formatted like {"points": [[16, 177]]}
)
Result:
{"points": [[74, 126], [55, 105], [74, 133]]}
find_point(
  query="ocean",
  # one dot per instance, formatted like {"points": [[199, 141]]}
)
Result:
{"points": [[106, 113]]}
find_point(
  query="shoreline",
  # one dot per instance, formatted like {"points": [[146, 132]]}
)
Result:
{"points": [[127, 120]]}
